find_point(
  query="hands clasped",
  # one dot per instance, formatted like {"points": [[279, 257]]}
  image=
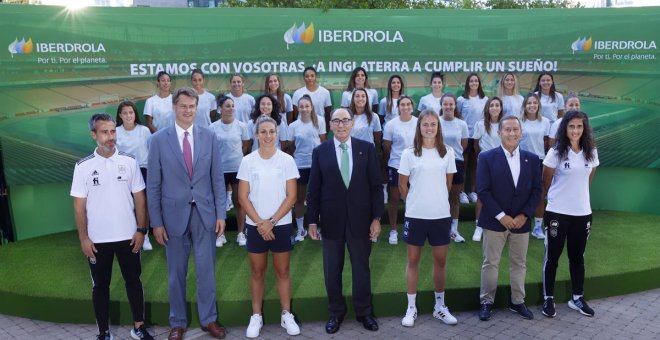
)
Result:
{"points": [[265, 229], [513, 223]]}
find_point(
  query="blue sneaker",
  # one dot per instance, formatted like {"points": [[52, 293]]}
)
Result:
{"points": [[141, 333], [581, 306]]}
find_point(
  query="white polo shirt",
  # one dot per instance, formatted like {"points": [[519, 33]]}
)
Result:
{"points": [[320, 99], [402, 136], [160, 110], [243, 106], [428, 197], [569, 191], [267, 179], [108, 185]]}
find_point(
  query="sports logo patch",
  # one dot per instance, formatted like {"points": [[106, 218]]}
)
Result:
{"points": [[554, 224]]}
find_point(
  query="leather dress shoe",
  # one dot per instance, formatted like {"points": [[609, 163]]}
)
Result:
{"points": [[368, 322], [332, 326], [176, 333], [215, 330], [485, 311], [522, 310]]}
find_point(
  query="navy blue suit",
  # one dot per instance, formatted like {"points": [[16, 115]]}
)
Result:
{"points": [[497, 192], [345, 216]]}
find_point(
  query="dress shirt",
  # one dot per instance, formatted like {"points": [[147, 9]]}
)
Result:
{"points": [[180, 134], [514, 165], [338, 152]]}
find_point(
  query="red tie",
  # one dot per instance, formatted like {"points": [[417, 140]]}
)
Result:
{"points": [[187, 153]]}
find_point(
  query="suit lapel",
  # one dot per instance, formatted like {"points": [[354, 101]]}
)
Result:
{"points": [[332, 152], [358, 155], [197, 147], [173, 141], [524, 168]]}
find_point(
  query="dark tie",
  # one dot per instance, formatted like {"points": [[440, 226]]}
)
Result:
{"points": [[187, 154]]}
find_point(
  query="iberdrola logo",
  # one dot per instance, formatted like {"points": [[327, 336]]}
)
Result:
{"points": [[299, 35], [20, 47], [581, 44]]}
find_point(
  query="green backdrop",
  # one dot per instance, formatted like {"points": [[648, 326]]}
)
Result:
{"points": [[61, 65]]}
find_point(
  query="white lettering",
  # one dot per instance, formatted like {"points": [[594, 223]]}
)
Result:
{"points": [[340, 36]]}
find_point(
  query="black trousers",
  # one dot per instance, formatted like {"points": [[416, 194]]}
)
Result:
{"points": [[574, 231], [359, 250], [101, 271]]}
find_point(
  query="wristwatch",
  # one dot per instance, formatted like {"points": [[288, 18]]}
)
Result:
{"points": [[273, 221], [142, 230]]}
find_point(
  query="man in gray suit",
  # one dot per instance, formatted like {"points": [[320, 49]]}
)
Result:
{"points": [[186, 198]]}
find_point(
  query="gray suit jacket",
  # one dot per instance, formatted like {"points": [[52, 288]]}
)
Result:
{"points": [[170, 190]]}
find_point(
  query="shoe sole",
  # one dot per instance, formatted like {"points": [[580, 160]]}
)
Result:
{"points": [[522, 316], [446, 322], [574, 307], [290, 333], [549, 316], [407, 325]]}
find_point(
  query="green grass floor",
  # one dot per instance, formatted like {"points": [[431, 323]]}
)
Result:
{"points": [[54, 267]]}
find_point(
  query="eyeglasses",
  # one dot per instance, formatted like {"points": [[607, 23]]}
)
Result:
{"points": [[344, 121]]}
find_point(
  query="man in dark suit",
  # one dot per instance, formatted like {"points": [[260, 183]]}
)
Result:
{"points": [[186, 198], [509, 186], [345, 193]]}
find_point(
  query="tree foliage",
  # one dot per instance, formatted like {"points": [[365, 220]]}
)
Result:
{"points": [[404, 4]]}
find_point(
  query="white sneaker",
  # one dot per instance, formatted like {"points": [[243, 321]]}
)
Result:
{"points": [[457, 237], [538, 233], [409, 319], [463, 198], [443, 314], [256, 322], [394, 237], [230, 204], [289, 323], [478, 231], [300, 236], [241, 240], [147, 245], [220, 241], [473, 197]]}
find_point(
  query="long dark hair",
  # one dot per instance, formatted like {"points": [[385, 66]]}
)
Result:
{"points": [[419, 140], [367, 106], [587, 143], [466, 89], [275, 114], [524, 114], [315, 120], [405, 96], [487, 121], [122, 105], [279, 93], [351, 81], [553, 90], [389, 91], [457, 114]]}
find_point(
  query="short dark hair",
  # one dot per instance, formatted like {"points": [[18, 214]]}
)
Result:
{"points": [[499, 128], [163, 73], [99, 117]]}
